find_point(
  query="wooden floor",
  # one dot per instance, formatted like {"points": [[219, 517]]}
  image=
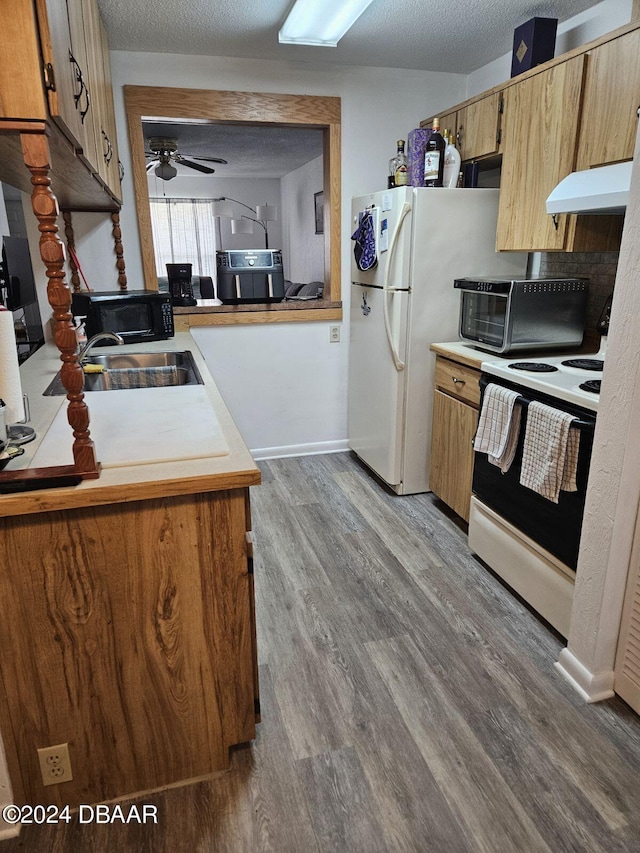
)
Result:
{"points": [[409, 701]]}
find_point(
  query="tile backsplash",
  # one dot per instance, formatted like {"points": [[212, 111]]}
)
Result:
{"points": [[598, 267]]}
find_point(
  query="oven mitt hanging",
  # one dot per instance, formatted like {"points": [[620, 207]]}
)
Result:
{"points": [[364, 249]]}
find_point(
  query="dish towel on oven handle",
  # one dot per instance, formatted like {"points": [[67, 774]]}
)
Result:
{"points": [[550, 452], [498, 426]]}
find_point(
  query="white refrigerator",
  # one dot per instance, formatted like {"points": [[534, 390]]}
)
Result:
{"points": [[424, 239]]}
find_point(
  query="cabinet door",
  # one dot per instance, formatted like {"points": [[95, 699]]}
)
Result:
{"points": [[611, 100], [449, 121], [479, 127], [454, 426], [67, 99], [540, 131], [82, 56], [109, 118], [103, 115]]}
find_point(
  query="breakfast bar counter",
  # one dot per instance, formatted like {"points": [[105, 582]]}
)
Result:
{"points": [[127, 624]]}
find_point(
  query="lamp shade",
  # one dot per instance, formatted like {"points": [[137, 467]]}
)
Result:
{"points": [[241, 226], [222, 208], [267, 212]]}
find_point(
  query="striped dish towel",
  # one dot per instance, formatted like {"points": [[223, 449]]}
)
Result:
{"points": [[498, 426], [550, 452]]}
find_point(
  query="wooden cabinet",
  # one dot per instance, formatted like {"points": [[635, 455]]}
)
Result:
{"points": [[128, 633], [103, 115], [610, 103], [455, 418], [64, 61], [59, 74], [478, 128], [540, 136], [574, 112]]}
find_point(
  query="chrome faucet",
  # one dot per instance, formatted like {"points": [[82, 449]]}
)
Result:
{"points": [[83, 355]]}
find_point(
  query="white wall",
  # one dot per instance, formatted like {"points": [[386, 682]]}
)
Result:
{"points": [[613, 495], [303, 249]]}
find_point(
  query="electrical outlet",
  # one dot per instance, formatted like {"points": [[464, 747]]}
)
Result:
{"points": [[334, 334], [55, 764]]}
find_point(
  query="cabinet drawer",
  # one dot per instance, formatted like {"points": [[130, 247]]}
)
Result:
{"points": [[458, 380]]}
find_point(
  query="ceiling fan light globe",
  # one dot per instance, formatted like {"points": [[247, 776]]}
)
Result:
{"points": [[166, 171]]}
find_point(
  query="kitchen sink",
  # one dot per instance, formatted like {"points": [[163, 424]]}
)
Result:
{"points": [[124, 371]]}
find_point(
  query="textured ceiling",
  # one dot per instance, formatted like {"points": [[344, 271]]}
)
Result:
{"points": [[251, 152], [437, 35]]}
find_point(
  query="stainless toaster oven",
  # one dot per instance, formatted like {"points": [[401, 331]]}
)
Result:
{"points": [[505, 315]]}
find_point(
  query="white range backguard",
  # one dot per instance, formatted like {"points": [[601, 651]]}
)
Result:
{"points": [[426, 237]]}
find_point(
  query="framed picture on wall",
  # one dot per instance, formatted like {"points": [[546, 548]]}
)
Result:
{"points": [[318, 202]]}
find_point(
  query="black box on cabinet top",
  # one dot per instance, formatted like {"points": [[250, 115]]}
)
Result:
{"points": [[533, 44]]}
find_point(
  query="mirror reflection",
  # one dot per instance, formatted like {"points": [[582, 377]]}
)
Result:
{"points": [[234, 211]]}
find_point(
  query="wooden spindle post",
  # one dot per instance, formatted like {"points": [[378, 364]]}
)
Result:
{"points": [[35, 150], [117, 239], [71, 245]]}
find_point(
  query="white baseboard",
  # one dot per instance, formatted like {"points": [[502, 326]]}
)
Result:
{"points": [[593, 687], [260, 453]]}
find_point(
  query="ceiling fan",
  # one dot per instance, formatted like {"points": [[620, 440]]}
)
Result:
{"points": [[164, 150]]}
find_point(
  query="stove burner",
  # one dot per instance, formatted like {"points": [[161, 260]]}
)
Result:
{"points": [[592, 385], [585, 363], [533, 366]]}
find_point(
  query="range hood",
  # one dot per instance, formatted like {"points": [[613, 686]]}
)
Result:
{"points": [[601, 190]]}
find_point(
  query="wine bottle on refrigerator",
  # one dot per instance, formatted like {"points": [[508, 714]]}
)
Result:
{"points": [[399, 167], [434, 157], [451, 164]]}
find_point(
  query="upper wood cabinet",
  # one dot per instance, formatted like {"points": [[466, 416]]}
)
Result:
{"points": [[103, 115], [448, 121], [577, 111], [59, 72], [610, 103], [540, 126], [478, 128], [65, 71]]}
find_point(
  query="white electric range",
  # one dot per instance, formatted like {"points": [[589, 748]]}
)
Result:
{"points": [[532, 542], [569, 377]]}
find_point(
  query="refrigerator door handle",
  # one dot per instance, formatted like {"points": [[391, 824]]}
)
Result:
{"points": [[406, 209]]}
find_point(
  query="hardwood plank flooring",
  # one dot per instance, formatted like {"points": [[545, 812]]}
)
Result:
{"points": [[409, 700]]}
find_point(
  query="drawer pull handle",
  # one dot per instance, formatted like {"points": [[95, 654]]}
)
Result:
{"points": [[457, 381]]}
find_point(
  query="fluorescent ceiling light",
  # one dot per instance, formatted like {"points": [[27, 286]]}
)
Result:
{"points": [[320, 22]]}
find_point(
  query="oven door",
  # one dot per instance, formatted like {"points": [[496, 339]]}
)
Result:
{"points": [[555, 527], [484, 319]]}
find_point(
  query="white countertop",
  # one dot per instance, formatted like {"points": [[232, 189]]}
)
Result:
{"points": [[159, 471]]}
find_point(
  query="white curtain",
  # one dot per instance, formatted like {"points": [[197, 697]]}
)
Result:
{"points": [[184, 232]]}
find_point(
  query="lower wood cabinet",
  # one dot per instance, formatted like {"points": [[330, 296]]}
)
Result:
{"points": [[128, 633], [455, 419]]}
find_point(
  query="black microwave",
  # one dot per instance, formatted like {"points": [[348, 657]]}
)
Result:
{"points": [[136, 315]]}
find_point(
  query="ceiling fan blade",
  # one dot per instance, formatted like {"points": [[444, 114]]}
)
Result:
{"points": [[151, 165], [213, 160], [197, 166]]}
